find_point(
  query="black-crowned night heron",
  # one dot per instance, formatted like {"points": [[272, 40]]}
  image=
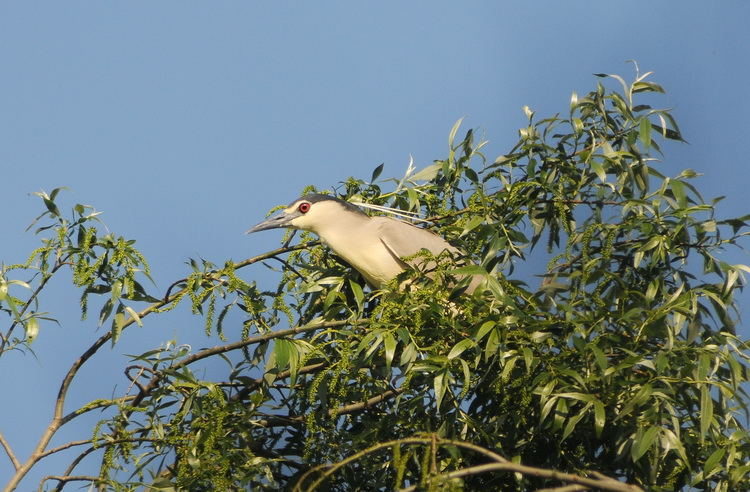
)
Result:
{"points": [[375, 246]]}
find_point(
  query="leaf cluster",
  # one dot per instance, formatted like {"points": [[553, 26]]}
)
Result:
{"points": [[601, 342]]}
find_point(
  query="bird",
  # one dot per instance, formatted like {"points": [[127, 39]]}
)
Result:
{"points": [[374, 245]]}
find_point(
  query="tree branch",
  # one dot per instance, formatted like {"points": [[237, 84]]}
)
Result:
{"points": [[65, 479], [601, 482], [9, 451], [58, 420]]}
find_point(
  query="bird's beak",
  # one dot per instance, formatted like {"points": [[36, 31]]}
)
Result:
{"points": [[276, 222]]}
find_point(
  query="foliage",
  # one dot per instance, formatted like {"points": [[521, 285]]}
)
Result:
{"points": [[602, 345]]}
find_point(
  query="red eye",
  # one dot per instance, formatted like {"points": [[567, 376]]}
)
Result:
{"points": [[304, 207]]}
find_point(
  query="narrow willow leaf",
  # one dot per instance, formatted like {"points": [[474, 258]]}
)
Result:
{"points": [[573, 421], [644, 442], [106, 311], [707, 410], [599, 170], [440, 385], [528, 357], [560, 415], [376, 173], [134, 315], [52, 207], [711, 463], [640, 399], [390, 344], [408, 355], [678, 189], [359, 295], [600, 417], [601, 359], [547, 408], [644, 132], [283, 351], [454, 130], [467, 375], [460, 347], [117, 323], [484, 329], [427, 173]]}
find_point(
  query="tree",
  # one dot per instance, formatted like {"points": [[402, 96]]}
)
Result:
{"points": [[601, 350]]}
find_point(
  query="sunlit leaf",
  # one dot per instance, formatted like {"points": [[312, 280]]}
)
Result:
{"points": [[644, 442]]}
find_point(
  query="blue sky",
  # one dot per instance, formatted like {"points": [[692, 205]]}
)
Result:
{"points": [[184, 122]]}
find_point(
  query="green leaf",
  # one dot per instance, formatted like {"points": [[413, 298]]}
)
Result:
{"points": [[13, 308], [440, 383], [452, 135], [508, 366], [134, 315], [643, 442], [484, 329], [711, 463], [600, 418], [106, 311], [468, 270], [52, 207], [678, 189], [644, 130], [528, 357], [32, 329], [376, 173], [390, 344], [573, 421], [359, 295], [598, 169], [640, 399], [707, 410], [408, 355], [117, 323], [427, 173], [601, 359], [460, 347]]}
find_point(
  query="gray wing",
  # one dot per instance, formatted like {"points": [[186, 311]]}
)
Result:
{"points": [[403, 239]]}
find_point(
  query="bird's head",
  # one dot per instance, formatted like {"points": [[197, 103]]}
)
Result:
{"points": [[313, 212]]}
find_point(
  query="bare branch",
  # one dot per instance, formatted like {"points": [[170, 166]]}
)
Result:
{"points": [[357, 407], [601, 482], [66, 479], [604, 483], [565, 488], [9, 451]]}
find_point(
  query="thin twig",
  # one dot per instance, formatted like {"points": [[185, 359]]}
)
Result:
{"points": [[66, 479], [9, 451], [602, 482], [608, 484]]}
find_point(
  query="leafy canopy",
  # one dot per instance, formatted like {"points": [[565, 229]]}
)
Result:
{"points": [[602, 345]]}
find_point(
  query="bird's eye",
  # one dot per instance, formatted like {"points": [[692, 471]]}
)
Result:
{"points": [[304, 207]]}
